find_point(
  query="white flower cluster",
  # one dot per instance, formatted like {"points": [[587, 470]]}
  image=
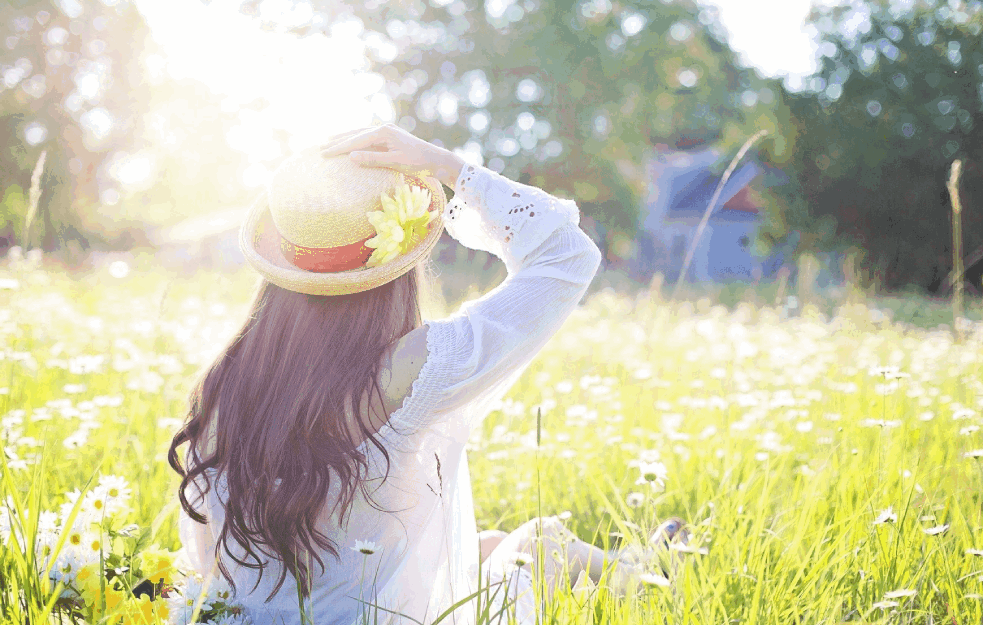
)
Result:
{"points": [[194, 593], [83, 536], [84, 541]]}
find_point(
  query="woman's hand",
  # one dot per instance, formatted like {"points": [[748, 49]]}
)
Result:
{"points": [[391, 146]]}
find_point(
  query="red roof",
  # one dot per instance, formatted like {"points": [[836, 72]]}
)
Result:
{"points": [[742, 202]]}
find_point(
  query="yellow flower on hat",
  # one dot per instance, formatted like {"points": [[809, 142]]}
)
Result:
{"points": [[400, 225]]}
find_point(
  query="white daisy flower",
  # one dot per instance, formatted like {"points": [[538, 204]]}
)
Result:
{"points": [[366, 547], [651, 579], [48, 522], [634, 500], [67, 565], [232, 619], [115, 487], [938, 529], [180, 608], [887, 516], [684, 548], [654, 474], [181, 605], [220, 590], [94, 504]]}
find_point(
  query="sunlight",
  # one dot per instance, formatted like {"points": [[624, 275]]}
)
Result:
{"points": [[312, 87]]}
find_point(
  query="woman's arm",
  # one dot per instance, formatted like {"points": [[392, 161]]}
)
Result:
{"points": [[391, 146]]}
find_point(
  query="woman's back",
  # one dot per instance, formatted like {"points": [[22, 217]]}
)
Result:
{"points": [[411, 546]]}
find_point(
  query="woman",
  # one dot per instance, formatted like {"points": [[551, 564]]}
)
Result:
{"points": [[303, 500]]}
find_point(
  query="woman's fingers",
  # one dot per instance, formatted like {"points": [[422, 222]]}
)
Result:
{"points": [[340, 137], [365, 139]]}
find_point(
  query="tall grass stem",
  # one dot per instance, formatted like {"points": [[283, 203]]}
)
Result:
{"points": [[957, 248], [34, 198], [713, 202]]}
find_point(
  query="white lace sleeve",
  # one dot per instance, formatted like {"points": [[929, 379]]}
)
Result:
{"points": [[492, 213], [478, 353]]}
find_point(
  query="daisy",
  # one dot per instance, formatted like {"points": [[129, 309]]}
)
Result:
{"points": [[654, 474], [634, 500], [887, 516], [366, 547], [115, 487], [94, 503], [521, 559], [935, 531], [67, 565], [651, 579], [684, 548], [181, 606]]}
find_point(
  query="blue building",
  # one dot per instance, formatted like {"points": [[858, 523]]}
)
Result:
{"points": [[682, 185]]}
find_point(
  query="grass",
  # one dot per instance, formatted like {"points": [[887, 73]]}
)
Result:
{"points": [[786, 435]]}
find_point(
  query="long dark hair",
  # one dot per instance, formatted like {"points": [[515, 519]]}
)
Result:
{"points": [[282, 387]]}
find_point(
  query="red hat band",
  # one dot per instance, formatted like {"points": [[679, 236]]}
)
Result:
{"points": [[340, 257]]}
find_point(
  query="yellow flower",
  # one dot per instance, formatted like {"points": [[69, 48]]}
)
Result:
{"points": [[157, 565], [89, 584], [143, 611], [400, 225]]}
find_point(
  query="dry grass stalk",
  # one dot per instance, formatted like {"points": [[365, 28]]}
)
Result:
{"points": [[34, 197], [957, 245], [713, 202]]}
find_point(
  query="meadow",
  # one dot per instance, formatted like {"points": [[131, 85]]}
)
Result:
{"points": [[827, 454]]}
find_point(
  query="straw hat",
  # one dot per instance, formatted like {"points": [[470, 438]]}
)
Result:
{"points": [[309, 231]]}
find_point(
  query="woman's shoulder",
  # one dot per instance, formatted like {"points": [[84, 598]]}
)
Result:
{"points": [[404, 364], [401, 365]]}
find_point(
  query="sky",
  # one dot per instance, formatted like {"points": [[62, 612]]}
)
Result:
{"points": [[769, 34], [225, 49]]}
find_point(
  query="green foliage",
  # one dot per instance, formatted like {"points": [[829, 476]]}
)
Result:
{"points": [[881, 123], [572, 95], [48, 47], [13, 209]]}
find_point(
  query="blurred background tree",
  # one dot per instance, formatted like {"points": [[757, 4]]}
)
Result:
{"points": [[897, 100], [570, 96], [67, 85], [128, 145]]}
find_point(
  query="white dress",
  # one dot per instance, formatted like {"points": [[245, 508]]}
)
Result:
{"points": [[428, 546]]}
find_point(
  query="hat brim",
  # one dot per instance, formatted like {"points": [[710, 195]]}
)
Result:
{"points": [[260, 245]]}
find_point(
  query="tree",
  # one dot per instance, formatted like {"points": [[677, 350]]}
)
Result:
{"points": [[128, 145], [570, 96], [898, 98], [68, 83]]}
